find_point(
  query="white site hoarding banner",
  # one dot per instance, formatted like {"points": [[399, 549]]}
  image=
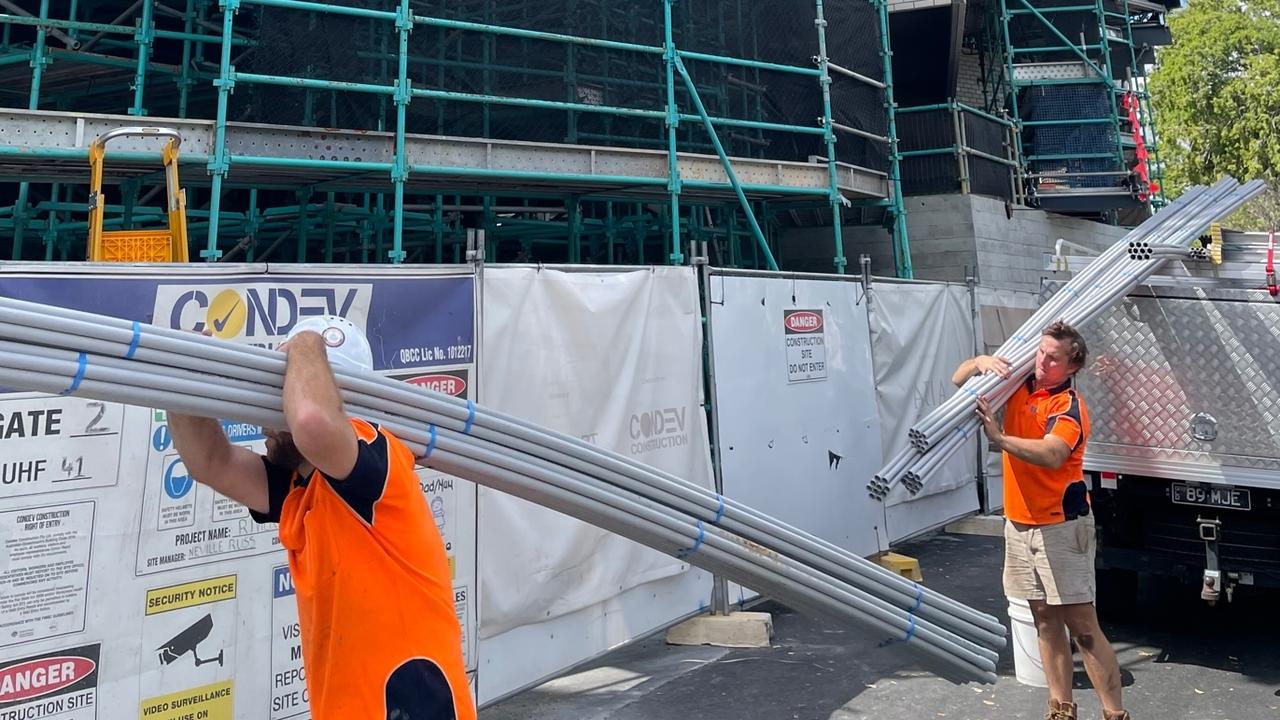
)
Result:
{"points": [[613, 356], [799, 434], [920, 333], [127, 589]]}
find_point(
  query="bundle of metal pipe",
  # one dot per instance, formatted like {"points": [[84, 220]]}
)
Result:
{"points": [[1143, 250], [55, 350], [1106, 280]]}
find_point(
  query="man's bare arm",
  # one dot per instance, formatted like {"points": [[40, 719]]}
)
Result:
{"points": [[979, 365], [313, 409], [212, 460], [1049, 451]]}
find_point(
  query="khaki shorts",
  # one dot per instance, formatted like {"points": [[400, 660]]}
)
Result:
{"points": [[1053, 563]]}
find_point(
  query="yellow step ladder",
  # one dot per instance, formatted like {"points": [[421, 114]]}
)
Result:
{"points": [[167, 245]]}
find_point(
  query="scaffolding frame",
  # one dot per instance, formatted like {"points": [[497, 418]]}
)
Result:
{"points": [[391, 227], [1026, 46]]}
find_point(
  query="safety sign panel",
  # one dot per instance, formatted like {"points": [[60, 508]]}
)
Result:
{"points": [[45, 578], [188, 649], [805, 340], [60, 684], [53, 444]]}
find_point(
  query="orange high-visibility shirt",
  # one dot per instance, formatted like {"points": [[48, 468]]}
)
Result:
{"points": [[1035, 495], [380, 638]]}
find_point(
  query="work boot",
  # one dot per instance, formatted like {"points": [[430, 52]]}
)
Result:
{"points": [[1119, 715], [1060, 710]]}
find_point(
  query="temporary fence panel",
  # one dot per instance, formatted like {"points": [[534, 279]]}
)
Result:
{"points": [[613, 356], [153, 596], [798, 428], [920, 333]]}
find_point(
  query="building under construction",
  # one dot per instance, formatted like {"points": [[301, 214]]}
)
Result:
{"points": [[783, 134]]}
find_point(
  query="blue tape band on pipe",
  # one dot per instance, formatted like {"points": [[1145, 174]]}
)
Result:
{"points": [[702, 534], [911, 629], [919, 599], [971, 391], [75, 381], [137, 339], [719, 510], [431, 444], [471, 418]]}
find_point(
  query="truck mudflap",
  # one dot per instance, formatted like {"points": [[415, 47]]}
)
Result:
{"points": [[1218, 536]]}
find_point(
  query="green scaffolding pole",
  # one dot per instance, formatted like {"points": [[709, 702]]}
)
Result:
{"points": [[897, 208], [1015, 113], [728, 166], [673, 122], [185, 82], [837, 200], [143, 37], [1109, 77], [219, 163], [400, 170], [1145, 117]]}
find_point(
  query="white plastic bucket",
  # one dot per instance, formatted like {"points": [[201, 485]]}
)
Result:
{"points": [[1027, 666]]}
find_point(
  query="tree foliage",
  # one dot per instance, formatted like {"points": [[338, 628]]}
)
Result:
{"points": [[1216, 92]]}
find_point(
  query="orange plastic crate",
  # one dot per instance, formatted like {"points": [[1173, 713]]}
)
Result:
{"points": [[137, 246]]}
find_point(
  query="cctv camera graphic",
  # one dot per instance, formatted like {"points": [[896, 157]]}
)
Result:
{"points": [[186, 642]]}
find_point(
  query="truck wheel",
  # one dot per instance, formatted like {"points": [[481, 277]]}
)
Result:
{"points": [[1117, 593]]}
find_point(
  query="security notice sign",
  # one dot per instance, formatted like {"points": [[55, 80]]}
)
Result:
{"points": [[188, 647], [60, 685], [48, 444], [45, 577], [806, 345]]}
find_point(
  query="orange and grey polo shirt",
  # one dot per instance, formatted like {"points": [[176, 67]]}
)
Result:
{"points": [[380, 638], [1035, 495]]}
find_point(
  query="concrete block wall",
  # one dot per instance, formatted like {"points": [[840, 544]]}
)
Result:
{"points": [[1012, 249], [953, 237], [940, 231], [969, 81]]}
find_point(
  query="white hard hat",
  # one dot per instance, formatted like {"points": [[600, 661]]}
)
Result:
{"points": [[346, 345]]}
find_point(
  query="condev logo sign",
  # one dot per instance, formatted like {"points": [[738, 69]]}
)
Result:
{"points": [[50, 678], [802, 321], [258, 313], [658, 429]]}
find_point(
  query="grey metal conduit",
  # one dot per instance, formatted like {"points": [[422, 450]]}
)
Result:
{"points": [[186, 403], [268, 417], [406, 394], [1113, 283], [115, 369], [1103, 272], [1108, 278]]}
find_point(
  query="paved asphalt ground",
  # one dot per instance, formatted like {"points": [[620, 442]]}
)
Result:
{"points": [[1180, 659]]}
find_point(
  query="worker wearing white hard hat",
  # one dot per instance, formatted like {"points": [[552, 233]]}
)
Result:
{"points": [[380, 637], [345, 344]]}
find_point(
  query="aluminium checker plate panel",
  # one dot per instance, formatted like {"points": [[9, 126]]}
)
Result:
{"points": [[1171, 368]]}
